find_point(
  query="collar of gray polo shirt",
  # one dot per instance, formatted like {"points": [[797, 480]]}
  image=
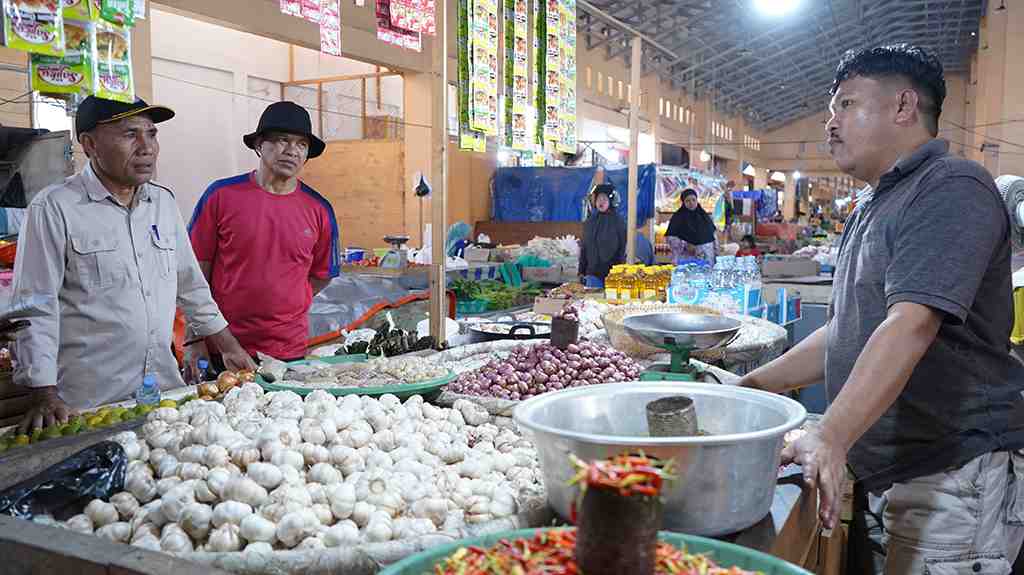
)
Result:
{"points": [[98, 192], [906, 165]]}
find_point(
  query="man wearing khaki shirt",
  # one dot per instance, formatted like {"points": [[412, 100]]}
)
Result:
{"points": [[108, 251]]}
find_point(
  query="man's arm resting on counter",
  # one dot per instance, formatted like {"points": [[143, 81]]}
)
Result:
{"points": [[799, 367], [882, 370]]}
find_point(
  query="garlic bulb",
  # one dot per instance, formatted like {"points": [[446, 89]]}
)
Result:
{"points": [[312, 542], [342, 500], [101, 513], [313, 454], [324, 473], [323, 513], [216, 456], [126, 504], [341, 534], [258, 547], [244, 455], [230, 512], [296, 526], [257, 528], [225, 538], [80, 523], [245, 490], [195, 519], [142, 486], [149, 542], [174, 540], [119, 531], [266, 475]]}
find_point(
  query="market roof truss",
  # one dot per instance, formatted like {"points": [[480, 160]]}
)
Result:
{"points": [[772, 72]]}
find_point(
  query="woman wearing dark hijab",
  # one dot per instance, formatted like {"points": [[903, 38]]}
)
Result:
{"points": [[604, 237], [691, 232]]}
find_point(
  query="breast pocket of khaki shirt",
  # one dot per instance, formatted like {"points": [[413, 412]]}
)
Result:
{"points": [[166, 254], [96, 260]]}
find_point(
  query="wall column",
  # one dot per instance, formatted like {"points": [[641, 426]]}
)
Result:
{"points": [[789, 201]]}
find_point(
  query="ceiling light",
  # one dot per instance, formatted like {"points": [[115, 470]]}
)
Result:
{"points": [[750, 171], [796, 175], [705, 156], [778, 177], [775, 7], [974, 33]]}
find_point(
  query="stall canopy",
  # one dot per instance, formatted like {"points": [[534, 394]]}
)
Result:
{"points": [[559, 194]]}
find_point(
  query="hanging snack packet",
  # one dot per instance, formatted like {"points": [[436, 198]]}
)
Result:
{"points": [[34, 26], [73, 73], [120, 12], [77, 10], [114, 63]]}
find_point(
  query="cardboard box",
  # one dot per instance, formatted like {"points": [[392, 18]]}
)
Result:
{"points": [[788, 266], [549, 275], [474, 254], [549, 306]]}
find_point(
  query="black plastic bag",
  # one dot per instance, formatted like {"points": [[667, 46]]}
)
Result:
{"points": [[64, 489]]}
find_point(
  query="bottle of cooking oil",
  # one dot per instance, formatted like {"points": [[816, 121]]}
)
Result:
{"points": [[611, 283], [627, 284], [650, 284], [637, 288]]}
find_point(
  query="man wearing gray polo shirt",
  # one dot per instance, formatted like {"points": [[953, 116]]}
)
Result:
{"points": [[925, 399]]}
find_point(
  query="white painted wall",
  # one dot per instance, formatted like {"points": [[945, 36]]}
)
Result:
{"points": [[220, 80]]}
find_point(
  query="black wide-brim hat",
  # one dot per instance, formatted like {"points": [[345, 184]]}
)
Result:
{"points": [[290, 118]]}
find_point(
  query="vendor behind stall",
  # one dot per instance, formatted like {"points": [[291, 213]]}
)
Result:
{"points": [[107, 252], [604, 237], [266, 241], [926, 400], [691, 232]]}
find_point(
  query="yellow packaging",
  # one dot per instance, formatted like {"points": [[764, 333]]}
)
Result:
{"points": [[75, 72], [35, 26], [113, 63], [80, 9]]}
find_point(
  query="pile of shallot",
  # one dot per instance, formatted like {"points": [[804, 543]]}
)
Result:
{"points": [[532, 370]]}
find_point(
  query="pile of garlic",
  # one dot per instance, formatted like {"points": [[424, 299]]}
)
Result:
{"points": [[260, 472]]}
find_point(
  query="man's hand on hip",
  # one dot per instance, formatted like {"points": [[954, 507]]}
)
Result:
{"points": [[47, 409], [824, 467]]}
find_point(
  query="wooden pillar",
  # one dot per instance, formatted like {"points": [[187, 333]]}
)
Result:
{"points": [[634, 149], [760, 178], [789, 201], [439, 174]]}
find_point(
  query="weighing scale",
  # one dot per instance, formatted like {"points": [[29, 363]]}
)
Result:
{"points": [[397, 257], [681, 334]]}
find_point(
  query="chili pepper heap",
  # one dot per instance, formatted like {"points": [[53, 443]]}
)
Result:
{"points": [[619, 518]]}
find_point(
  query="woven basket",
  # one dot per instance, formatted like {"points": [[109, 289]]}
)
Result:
{"points": [[627, 344]]}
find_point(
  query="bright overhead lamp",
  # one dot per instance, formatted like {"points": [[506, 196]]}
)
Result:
{"points": [[750, 171], [705, 156], [778, 177], [796, 175], [776, 7]]}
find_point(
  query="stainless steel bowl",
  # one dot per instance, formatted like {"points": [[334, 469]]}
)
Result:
{"points": [[725, 480], [683, 330]]}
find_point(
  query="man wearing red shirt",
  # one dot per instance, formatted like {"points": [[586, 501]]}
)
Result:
{"points": [[266, 241]]}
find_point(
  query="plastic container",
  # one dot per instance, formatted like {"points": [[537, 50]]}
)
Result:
{"points": [[148, 392], [724, 554], [463, 307]]}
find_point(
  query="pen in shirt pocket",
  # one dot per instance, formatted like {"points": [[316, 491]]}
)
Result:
{"points": [[156, 232]]}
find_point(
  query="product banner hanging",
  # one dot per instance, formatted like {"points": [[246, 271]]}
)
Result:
{"points": [[330, 28], [291, 8], [388, 32], [483, 115], [310, 10], [553, 70], [468, 139], [520, 74], [414, 15], [540, 63], [567, 114]]}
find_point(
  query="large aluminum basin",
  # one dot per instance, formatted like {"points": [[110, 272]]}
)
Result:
{"points": [[725, 480]]}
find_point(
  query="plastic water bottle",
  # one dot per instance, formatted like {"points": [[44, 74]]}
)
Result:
{"points": [[203, 367], [149, 392]]}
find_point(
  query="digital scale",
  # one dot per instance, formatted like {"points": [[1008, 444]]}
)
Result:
{"points": [[681, 334], [397, 257]]}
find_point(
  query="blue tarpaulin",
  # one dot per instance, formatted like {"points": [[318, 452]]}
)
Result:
{"points": [[645, 182], [541, 194]]}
